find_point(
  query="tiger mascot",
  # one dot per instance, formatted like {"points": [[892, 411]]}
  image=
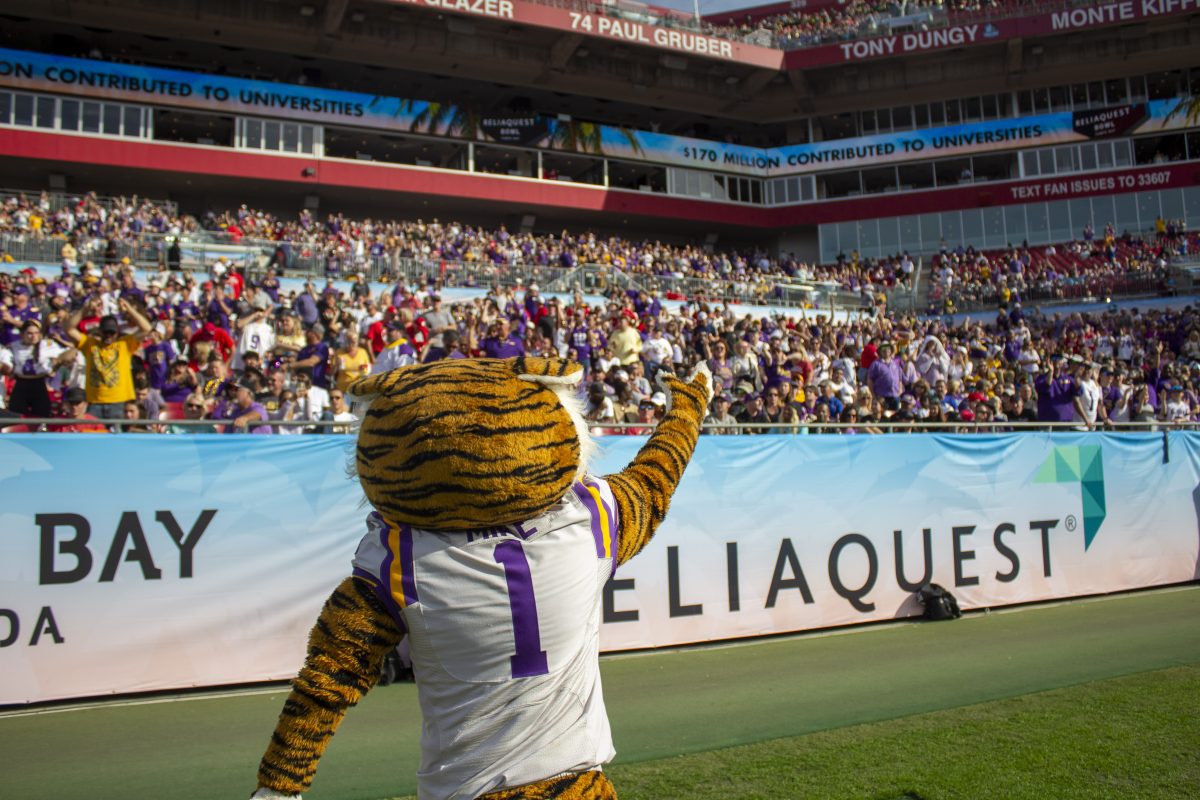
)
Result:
{"points": [[489, 547]]}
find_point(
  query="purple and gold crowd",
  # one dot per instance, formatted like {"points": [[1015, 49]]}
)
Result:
{"points": [[89, 229], [94, 341]]}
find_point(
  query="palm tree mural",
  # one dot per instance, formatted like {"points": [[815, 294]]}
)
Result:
{"points": [[588, 137], [440, 119], [1188, 107]]}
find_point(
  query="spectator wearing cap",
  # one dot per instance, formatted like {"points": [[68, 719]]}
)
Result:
{"points": [[289, 336], [180, 382], [216, 338], [753, 414], [645, 417], [33, 359], [255, 335], [109, 359], [719, 421], [886, 376], [245, 412], [313, 358], [501, 342], [598, 406], [75, 406], [14, 316], [158, 353], [397, 351], [1177, 409]]}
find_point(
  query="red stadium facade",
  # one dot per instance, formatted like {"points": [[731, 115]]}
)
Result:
{"points": [[1022, 124]]}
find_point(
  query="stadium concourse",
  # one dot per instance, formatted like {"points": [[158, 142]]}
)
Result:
{"points": [[249, 347]]}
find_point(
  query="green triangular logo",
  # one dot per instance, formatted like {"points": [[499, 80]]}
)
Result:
{"points": [[1082, 464]]}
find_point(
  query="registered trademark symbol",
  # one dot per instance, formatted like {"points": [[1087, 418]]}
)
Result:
{"points": [[1071, 523]]}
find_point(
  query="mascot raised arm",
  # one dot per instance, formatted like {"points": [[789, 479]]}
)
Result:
{"points": [[489, 546]]}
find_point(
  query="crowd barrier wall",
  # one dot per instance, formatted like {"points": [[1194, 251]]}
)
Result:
{"points": [[165, 562]]}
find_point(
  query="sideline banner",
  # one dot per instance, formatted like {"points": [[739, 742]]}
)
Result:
{"points": [[162, 562]]}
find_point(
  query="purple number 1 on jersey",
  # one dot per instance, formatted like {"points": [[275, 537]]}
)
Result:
{"points": [[530, 658]]}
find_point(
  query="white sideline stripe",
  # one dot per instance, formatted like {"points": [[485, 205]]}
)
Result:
{"points": [[748, 642]]}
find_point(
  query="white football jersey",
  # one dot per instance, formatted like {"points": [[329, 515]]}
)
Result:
{"points": [[504, 630]]}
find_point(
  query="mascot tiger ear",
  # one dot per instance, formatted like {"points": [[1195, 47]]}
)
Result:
{"points": [[548, 371], [470, 443]]}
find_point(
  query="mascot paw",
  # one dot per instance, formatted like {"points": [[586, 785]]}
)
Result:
{"points": [[264, 793], [701, 380]]}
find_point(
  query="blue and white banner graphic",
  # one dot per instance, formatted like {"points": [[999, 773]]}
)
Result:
{"points": [[131, 563], [157, 86]]}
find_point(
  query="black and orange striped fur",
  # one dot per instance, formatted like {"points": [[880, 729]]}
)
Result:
{"points": [[345, 655], [456, 445], [590, 785], [466, 444]]}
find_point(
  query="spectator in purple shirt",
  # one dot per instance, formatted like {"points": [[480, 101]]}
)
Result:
{"points": [[500, 343], [244, 412], [886, 376], [313, 358], [1057, 392]]}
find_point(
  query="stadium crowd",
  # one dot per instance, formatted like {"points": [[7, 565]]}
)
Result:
{"points": [[1091, 266], [89, 229], [95, 343], [801, 27]]}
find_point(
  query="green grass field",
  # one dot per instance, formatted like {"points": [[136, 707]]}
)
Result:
{"points": [[1092, 699]]}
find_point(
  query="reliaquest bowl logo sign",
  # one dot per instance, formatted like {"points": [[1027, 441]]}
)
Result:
{"points": [[1080, 464]]}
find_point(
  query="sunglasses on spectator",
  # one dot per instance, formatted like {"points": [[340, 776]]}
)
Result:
{"points": [[194, 407]]}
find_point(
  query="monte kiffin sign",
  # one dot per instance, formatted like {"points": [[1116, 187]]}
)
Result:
{"points": [[986, 32]]}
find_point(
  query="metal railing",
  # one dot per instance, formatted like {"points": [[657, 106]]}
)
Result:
{"points": [[253, 256], [58, 198], [55, 424]]}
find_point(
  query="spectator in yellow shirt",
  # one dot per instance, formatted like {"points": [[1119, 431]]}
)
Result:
{"points": [[626, 343], [352, 360], [109, 357]]}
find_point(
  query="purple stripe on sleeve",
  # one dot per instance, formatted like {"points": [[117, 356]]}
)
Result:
{"points": [[384, 596], [589, 503], [408, 580], [385, 573], [613, 527]]}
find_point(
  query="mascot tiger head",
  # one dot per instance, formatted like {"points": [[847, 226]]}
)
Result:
{"points": [[469, 444]]}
